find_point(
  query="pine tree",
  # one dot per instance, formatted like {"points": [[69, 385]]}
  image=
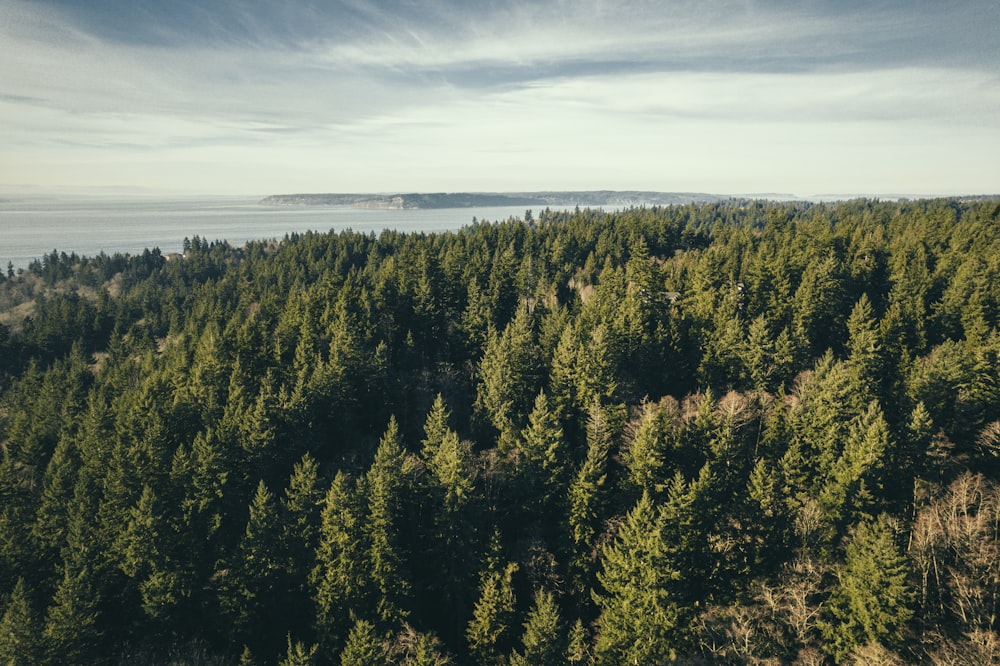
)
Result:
{"points": [[384, 487], [508, 373], [339, 581], [490, 631], [363, 647], [435, 428], [865, 354], [856, 478], [578, 644], [144, 547], [19, 630], [256, 580], [871, 602], [639, 619], [301, 506], [595, 376], [73, 627], [587, 497], [542, 459], [645, 451], [562, 375], [543, 640], [297, 654], [414, 648], [57, 493]]}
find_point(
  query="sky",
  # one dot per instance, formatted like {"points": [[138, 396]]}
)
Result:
{"points": [[803, 97]]}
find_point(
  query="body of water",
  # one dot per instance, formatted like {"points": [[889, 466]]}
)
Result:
{"points": [[31, 227]]}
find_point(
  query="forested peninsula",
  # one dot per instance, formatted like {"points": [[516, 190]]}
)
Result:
{"points": [[595, 198], [732, 432]]}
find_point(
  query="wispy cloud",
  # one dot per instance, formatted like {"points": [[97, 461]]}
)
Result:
{"points": [[378, 95]]}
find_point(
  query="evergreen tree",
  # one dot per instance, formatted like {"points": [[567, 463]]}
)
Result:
{"points": [[73, 627], [871, 601], [543, 639], [508, 374], [578, 644], [645, 451], [588, 496], [542, 457], [338, 580], [298, 654], [363, 647], [639, 619], [595, 375], [299, 539], [490, 631], [384, 488], [256, 580], [435, 428], [19, 629]]}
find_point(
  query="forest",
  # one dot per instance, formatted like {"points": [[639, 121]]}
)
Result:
{"points": [[726, 433]]}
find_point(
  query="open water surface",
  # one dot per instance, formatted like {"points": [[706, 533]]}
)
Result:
{"points": [[31, 227]]}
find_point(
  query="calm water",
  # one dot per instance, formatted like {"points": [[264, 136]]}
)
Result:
{"points": [[33, 226]]}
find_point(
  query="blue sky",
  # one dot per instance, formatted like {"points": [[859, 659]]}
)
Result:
{"points": [[252, 97]]}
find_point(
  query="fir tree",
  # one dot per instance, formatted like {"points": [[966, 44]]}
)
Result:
{"points": [[339, 580], [384, 488], [490, 631], [543, 639], [639, 619], [363, 647], [19, 629], [871, 601]]}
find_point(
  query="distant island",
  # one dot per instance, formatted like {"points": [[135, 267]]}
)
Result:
{"points": [[484, 199]]}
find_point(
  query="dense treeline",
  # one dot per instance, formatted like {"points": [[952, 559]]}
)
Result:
{"points": [[740, 432]]}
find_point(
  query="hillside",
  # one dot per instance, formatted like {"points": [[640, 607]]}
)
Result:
{"points": [[730, 432]]}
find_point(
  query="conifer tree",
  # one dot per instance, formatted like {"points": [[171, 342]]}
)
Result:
{"points": [[543, 642], [508, 373], [19, 629], [435, 428], [871, 601], [384, 488], [363, 647], [301, 510], [490, 632], [588, 496], [256, 580], [542, 449], [297, 654], [339, 581], [865, 354], [562, 375], [639, 618], [73, 628], [645, 451], [57, 493], [595, 376], [577, 644]]}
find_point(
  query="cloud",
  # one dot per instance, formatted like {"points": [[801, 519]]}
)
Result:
{"points": [[591, 92]]}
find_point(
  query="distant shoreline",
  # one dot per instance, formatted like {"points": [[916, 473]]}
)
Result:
{"points": [[482, 199]]}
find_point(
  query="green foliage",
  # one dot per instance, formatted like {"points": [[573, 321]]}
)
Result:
{"points": [[19, 629], [639, 619], [684, 422], [490, 632], [363, 647], [338, 580], [871, 601], [543, 639], [384, 487]]}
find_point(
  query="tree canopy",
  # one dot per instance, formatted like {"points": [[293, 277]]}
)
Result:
{"points": [[740, 432]]}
